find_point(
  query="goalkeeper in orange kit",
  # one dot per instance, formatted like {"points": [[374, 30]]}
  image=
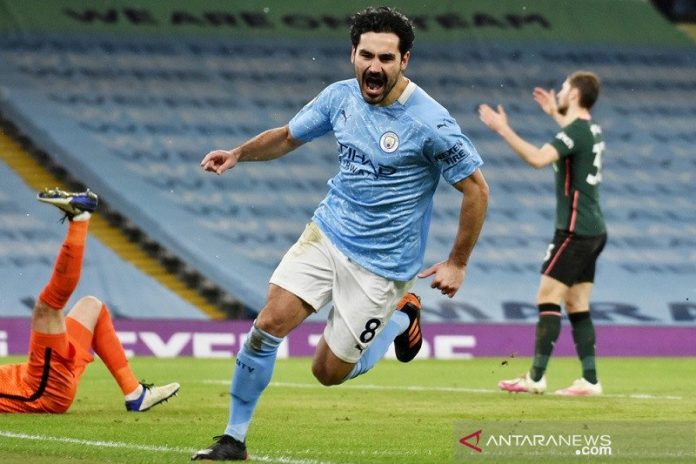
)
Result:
{"points": [[61, 346]]}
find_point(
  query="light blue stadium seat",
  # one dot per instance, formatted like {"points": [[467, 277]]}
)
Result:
{"points": [[136, 125]]}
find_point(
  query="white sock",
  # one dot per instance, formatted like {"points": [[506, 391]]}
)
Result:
{"points": [[83, 216], [135, 394]]}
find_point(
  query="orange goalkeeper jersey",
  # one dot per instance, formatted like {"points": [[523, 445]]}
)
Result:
{"points": [[47, 382]]}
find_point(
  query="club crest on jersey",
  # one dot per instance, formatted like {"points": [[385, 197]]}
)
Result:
{"points": [[389, 142]]}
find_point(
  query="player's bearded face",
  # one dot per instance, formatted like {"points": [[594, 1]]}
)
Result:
{"points": [[378, 66], [375, 86]]}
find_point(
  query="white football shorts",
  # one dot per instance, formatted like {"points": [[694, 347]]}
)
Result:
{"points": [[363, 302]]}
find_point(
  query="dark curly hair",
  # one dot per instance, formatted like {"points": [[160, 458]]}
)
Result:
{"points": [[382, 19]]}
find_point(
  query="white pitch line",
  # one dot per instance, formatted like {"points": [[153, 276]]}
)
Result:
{"points": [[152, 448], [421, 388], [96, 443], [285, 460], [645, 396]]}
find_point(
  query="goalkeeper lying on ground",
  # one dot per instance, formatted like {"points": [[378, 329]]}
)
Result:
{"points": [[61, 347]]}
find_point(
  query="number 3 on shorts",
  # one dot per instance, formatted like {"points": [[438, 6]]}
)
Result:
{"points": [[548, 252], [369, 333]]}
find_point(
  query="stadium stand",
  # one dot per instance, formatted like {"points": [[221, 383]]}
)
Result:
{"points": [[132, 117], [30, 235]]}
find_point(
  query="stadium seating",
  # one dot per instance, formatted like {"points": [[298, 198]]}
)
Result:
{"points": [[30, 237], [133, 118]]}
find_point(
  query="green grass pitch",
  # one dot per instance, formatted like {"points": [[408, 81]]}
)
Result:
{"points": [[397, 413]]}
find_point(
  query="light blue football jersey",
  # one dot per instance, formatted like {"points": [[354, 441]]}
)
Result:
{"points": [[378, 208]]}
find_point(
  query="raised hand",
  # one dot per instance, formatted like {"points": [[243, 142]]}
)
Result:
{"points": [[546, 99], [495, 120]]}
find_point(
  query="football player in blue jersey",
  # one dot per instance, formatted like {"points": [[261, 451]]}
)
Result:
{"points": [[366, 241]]}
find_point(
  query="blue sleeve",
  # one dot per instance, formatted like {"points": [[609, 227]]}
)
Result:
{"points": [[314, 120], [453, 152]]}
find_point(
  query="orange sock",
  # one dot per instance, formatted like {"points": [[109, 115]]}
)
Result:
{"points": [[66, 271], [107, 345]]}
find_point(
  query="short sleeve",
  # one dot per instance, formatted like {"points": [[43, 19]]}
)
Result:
{"points": [[453, 152], [564, 142], [314, 120]]}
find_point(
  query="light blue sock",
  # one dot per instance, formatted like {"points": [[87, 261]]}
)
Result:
{"points": [[255, 362], [396, 326]]}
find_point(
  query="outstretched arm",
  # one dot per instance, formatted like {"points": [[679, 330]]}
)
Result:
{"points": [[268, 145], [497, 122], [449, 274]]}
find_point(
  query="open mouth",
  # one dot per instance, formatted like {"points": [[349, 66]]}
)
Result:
{"points": [[374, 85]]}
